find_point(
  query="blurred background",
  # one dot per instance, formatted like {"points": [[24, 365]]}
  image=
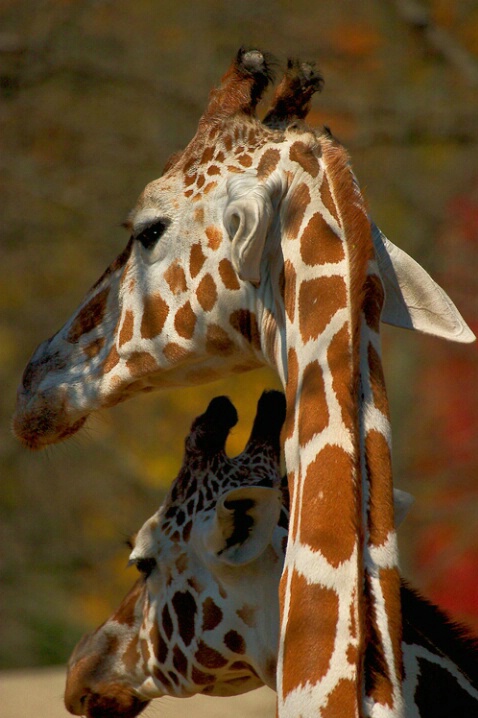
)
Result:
{"points": [[94, 97]]}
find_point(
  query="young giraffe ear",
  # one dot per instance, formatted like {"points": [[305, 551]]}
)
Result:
{"points": [[412, 299], [243, 524], [402, 502], [247, 218]]}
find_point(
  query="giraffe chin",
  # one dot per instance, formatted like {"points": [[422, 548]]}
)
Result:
{"points": [[43, 425], [121, 704]]}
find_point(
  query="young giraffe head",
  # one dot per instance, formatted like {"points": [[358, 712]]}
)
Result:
{"points": [[194, 622], [204, 617], [199, 290]]}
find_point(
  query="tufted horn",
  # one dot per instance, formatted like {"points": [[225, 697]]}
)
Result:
{"points": [[241, 87], [210, 430], [270, 417], [293, 94]]}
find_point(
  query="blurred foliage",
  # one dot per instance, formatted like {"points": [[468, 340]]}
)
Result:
{"points": [[94, 96]]}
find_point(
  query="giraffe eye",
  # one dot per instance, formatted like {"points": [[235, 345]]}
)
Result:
{"points": [[145, 565], [149, 236]]}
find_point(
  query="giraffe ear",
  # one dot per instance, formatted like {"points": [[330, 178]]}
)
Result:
{"points": [[412, 299], [247, 218], [243, 524]]}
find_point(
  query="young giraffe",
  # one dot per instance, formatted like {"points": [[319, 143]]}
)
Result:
{"points": [[255, 247], [204, 617]]}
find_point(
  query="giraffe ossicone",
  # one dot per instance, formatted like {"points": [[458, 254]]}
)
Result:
{"points": [[253, 248], [204, 616]]}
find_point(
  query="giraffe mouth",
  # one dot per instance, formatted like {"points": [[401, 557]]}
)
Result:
{"points": [[44, 422]]}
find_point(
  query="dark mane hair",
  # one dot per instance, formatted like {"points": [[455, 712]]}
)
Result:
{"points": [[422, 620]]}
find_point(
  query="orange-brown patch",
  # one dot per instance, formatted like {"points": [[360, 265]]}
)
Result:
{"points": [[214, 236], [289, 289], [328, 200], [297, 205], [111, 360], [199, 215], [141, 363], [93, 348], [378, 460], [304, 156], [377, 381], [245, 323], [196, 260], [319, 300], [207, 293], [245, 160], [267, 163], [200, 181], [218, 341], [175, 352], [247, 614], [344, 699], [131, 656], [228, 275], [373, 301], [207, 155], [213, 170], [126, 331], [185, 321], [220, 157], [390, 583], [291, 392], [313, 409], [155, 312], [319, 244], [339, 358], [89, 317], [329, 496], [176, 278], [306, 659], [209, 187]]}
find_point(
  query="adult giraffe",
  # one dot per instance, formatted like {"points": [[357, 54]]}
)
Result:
{"points": [[255, 247], [204, 616]]}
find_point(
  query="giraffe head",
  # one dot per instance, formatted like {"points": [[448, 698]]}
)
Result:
{"points": [[198, 620], [200, 289]]}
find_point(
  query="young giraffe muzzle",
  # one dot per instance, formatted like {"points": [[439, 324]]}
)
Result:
{"points": [[204, 616]]}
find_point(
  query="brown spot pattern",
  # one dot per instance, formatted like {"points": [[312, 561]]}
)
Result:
{"points": [[185, 321], [207, 293], [288, 288], [339, 358], [93, 348], [196, 260], [313, 409], [245, 323], [390, 583], [200, 678], [209, 657], [214, 236], [176, 278], [247, 614], [378, 459], [155, 312], [342, 700], [228, 275], [218, 341], [126, 331], [291, 392], [304, 156], [298, 203], [184, 605], [267, 163], [89, 317], [141, 363], [175, 352], [319, 300], [180, 661], [303, 628], [235, 642], [329, 495], [319, 244], [211, 615], [328, 200], [377, 381]]}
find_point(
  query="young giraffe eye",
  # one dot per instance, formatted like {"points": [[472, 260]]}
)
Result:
{"points": [[149, 236], [145, 566]]}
